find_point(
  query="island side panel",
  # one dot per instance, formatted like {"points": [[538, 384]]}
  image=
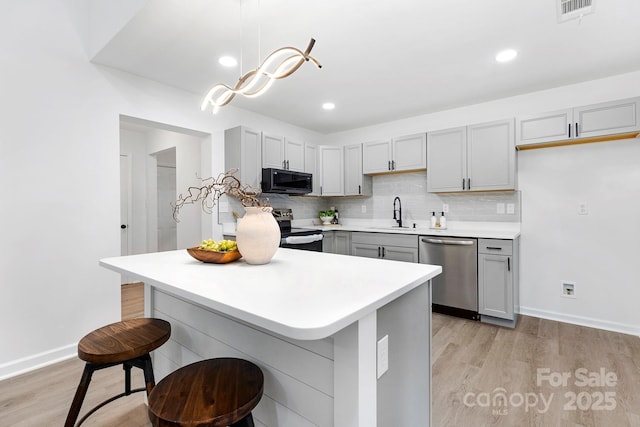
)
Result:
{"points": [[404, 390], [298, 381]]}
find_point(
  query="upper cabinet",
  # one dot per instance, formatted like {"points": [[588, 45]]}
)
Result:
{"points": [[472, 158], [242, 151], [311, 166], [408, 153], [331, 170], [282, 153], [574, 124], [355, 182]]}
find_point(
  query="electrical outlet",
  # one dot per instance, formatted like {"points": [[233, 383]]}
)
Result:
{"points": [[511, 208], [500, 208], [383, 355], [445, 208], [583, 209], [363, 208], [569, 289]]}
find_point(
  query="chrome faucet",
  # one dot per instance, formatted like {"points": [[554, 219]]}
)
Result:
{"points": [[397, 213]]}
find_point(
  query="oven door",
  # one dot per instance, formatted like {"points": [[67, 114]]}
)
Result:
{"points": [[311, 242]]}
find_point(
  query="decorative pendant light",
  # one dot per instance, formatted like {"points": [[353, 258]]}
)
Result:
{"points": [[279, 64]]}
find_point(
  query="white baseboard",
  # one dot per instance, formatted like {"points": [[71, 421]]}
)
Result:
{"points": [[582, 321], [30, 363]]}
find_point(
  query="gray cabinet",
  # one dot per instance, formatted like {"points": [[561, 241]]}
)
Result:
{"points": [[311, 166], [355, 182], [396, 247], [242, 151], [480, 157], [337, 242], [403, 154], [497, 280], [282, 153], [331, 170], [607, 118]]}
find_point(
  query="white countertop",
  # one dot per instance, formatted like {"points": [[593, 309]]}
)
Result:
{"points": [[300, 294], [484, 230]]}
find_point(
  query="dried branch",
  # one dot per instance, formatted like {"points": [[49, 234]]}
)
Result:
{"points": [[212, 189]]}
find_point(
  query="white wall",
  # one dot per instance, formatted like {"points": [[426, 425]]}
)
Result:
{"points": [[59, 170], [601, 256]]}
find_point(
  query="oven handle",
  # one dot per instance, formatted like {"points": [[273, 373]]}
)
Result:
{"points": [[301, 240]]}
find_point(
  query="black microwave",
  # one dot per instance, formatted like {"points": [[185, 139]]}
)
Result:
{"points": [[286, 182]]}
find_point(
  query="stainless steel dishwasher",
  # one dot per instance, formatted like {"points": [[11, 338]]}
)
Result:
{"points": [[455, 291]]}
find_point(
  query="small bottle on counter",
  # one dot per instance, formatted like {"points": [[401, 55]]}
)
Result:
{"points": [[336, 219], [433, 219], [443, 221]]}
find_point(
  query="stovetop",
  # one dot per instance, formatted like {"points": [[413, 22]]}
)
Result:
{"points": [[284, 216]]}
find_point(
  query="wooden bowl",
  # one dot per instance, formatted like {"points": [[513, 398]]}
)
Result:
{"points": [[213, 256]]}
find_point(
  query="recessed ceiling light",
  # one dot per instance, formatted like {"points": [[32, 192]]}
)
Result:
{"points": [[228, 61], [328, 105], [506, 55]]}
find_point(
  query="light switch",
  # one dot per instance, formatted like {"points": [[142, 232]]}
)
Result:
{"points": [[511, 208], [383, 355]]}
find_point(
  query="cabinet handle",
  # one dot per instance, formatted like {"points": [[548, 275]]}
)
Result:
{"points": [[393, 165], [288, 167], [569, 130], [508, 264], [468, 183], [379, 252], [389, 165], [494, 248], [464, 185], [321, 190], [577, 130], [383, 252], [359, 190]]}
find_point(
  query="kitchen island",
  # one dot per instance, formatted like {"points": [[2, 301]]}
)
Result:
{"points": [[311, 321]]}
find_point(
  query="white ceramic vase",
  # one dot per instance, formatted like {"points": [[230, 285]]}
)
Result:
{"points": [[258, 235]]}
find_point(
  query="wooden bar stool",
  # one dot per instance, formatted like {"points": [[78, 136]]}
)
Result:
{"points": [[212, 393], [127, 343]]}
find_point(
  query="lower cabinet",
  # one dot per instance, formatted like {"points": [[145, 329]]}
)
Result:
{"points": [[337, 242], [497, 281], [396, 247]]}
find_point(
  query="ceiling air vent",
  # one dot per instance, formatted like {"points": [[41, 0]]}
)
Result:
{"points": [[573, 9]]}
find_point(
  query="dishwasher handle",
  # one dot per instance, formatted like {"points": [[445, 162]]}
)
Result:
{"points": [[449, 242]]}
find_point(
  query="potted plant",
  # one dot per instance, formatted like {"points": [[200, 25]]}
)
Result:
{"points": [[326, 217]]}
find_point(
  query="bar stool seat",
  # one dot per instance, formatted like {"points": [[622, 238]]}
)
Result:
{"points": [[211, 393], [128, 343]]}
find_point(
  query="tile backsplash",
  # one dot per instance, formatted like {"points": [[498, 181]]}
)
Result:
{"points": [[417, 204]]}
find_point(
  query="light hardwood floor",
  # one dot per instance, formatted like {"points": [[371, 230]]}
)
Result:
{"points": [[468, 357]]}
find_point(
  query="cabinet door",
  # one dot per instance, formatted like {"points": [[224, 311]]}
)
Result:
{"points": [[491, 156], [495, 286], [409, 153], [376, 157], [311, 166], [272, 151], [446, 160], [608, 118], [366, 250], [354, 180], [331, 171], [243, 152], [342, 242], [547, 127], [294, 155], [328, 242], [399, 253]]}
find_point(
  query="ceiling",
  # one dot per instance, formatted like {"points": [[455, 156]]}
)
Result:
{"points": [[382, 60]]}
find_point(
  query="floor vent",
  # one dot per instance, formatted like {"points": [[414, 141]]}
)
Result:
{"points": [[573, 9]]}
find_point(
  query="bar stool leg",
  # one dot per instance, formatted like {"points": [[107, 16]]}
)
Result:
{"points": [[81, 392], [245, 422], [147, 369]]}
